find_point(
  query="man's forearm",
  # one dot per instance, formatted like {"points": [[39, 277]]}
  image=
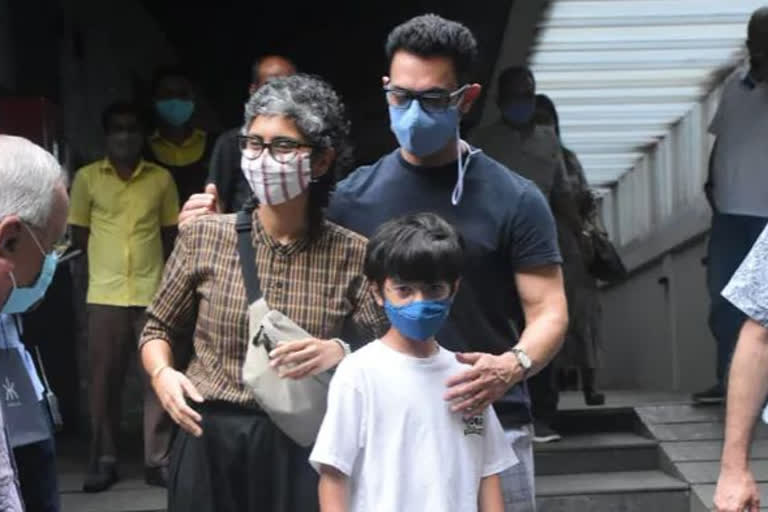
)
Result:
{"points": [[543, 337], [747, 391], [156, 354], [542, 295]]}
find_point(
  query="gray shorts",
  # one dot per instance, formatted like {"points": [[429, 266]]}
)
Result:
{"points": [[517, 481]]}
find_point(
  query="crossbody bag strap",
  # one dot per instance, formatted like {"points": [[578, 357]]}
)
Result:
{"points": [[244, 227]]}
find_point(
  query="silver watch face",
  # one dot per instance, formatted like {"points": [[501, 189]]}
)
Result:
{"points": [[525, 361]]}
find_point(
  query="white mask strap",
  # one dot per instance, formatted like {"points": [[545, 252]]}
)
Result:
{"points": [[458, 190]]}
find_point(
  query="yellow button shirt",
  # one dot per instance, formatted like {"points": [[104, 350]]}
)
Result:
{"points": [[125, 217], [169, 153]]}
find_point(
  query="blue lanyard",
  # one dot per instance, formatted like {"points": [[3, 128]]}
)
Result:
{"points": [[6, 337]]}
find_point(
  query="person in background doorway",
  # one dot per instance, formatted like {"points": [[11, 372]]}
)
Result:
{"points": [[124, 212], [582, 342], [176, 144], [736, 190], [225, 179], [532, 151], [33, 210]]}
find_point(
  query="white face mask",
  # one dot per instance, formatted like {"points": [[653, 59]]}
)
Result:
{"points": [[273, 182]]}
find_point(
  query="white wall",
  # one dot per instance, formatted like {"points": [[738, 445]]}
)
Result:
{"points": [[656, 333], [655, 327]]}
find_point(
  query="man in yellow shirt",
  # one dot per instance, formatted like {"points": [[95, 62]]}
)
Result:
{"points": [[124, 211]]}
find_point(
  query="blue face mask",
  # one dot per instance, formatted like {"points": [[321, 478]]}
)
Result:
{"points": [[519, 111], [175, 112], [420, 132], [21, 299], [420, 320]]}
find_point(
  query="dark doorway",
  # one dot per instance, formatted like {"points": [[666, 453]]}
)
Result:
{"points": [[343, 41]]}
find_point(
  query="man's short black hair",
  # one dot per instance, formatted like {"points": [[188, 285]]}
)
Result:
{"points": [[420, 247], [121, 108], [164, 72], [433, 36], [256, 66]]}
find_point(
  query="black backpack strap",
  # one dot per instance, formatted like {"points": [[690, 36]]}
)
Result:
{"points": [[244, 228]]}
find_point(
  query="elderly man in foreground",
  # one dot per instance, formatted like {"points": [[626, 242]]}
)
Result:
{"points": [[33, 212]]}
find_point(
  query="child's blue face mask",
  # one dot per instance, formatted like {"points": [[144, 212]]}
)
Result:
{"points": [[418, 320]]}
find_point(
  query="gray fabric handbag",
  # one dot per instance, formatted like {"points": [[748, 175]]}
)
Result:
{"points": [[297, 407]]}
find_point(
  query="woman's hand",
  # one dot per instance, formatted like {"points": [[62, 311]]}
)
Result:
{"points": [[199, 205], [171, 386], [299, 359]]}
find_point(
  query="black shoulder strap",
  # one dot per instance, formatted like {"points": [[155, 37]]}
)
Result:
{"points": [[244, 227]]}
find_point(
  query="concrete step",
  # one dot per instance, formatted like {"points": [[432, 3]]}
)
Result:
{"points": [[597, 452], [626, 491]]}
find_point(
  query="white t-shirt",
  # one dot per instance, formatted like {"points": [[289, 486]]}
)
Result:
{"points": [[740, 167], [389, 430]]}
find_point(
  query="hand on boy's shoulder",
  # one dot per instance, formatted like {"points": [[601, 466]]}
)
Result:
{"points": [[489, 378]]}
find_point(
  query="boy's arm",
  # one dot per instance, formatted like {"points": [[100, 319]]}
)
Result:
{"points": [[490, 498], [332, 490]]}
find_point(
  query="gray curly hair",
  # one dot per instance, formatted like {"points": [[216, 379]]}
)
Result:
{"points": [[314, 106]]}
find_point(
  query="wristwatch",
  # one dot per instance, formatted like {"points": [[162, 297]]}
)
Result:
{"points": [[523, 359]]}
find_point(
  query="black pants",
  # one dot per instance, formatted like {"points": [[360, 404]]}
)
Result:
{"points": [[242, 463], [36, 463], [545, 395]]}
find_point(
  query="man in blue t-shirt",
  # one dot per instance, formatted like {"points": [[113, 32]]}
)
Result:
{"points": [[513, 269], [513, 274]]}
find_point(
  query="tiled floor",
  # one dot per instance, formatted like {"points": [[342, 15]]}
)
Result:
{"points": [[132, 495]]}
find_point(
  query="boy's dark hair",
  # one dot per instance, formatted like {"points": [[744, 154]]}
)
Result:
{"points": [[420, 247], [433, 36], [120, 108]]}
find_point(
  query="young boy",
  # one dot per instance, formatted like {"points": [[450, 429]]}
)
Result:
{"points": [[389, 442]]}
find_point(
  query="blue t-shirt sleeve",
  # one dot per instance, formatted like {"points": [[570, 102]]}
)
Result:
{"points": [[532, 236]]}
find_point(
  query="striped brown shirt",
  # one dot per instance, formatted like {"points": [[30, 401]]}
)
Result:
{"points": [[318, 284]]}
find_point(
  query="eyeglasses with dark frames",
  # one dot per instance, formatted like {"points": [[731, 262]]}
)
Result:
{"points": [[282, 149], [431, 101]]}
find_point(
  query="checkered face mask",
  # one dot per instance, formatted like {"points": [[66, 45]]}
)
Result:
{"points": [[273, 182]]}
